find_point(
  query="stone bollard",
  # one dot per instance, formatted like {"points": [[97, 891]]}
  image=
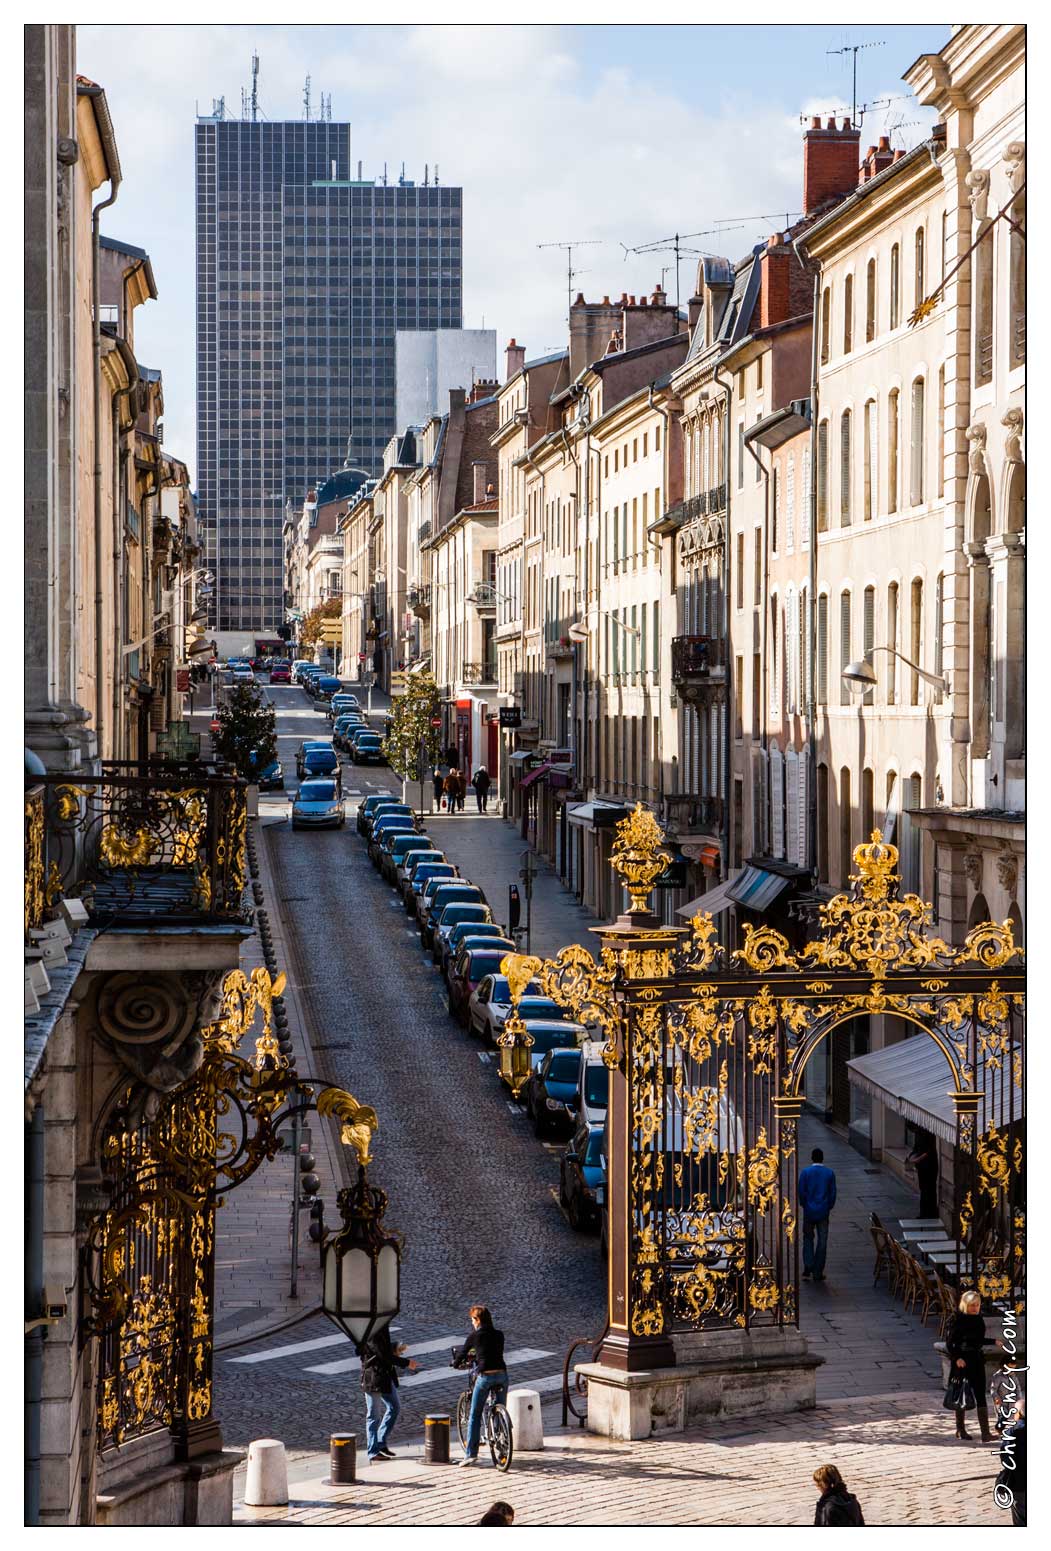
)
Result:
{"points": [[523, 1406], [266, 1485]]}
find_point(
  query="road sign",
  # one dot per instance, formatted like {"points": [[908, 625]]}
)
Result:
{"points": [[436, 721], [361, 656], [510, 716]]}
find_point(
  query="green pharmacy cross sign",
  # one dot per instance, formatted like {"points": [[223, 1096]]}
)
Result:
{"points": [[179, 743]]}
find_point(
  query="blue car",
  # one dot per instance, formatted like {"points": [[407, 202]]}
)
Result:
{"points": [[271, 779], [320, 762], [582, 1178], [551, 1092], [317, 805]]}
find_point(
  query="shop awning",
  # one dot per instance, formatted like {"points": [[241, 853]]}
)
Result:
{"points": [[913, 1079], [535, 775], [715, 900], [756, 889], [421, 666], [597, 815], [520, 756]]}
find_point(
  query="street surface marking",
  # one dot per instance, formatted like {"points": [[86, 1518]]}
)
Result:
{"points": [[514, 1108], [526, 1354], [352, 1364], [484, 1057], [289, 1351]]}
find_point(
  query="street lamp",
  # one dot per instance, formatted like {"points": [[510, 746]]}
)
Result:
{"points": [[863, 673], [515, 1040], [361, 1265]]}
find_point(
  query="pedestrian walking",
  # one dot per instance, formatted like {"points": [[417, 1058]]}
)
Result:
{"points": [[481, 787], [452, 789], [439, 783], [499, 1513], [380, 1362], [461, 789], [485, 1347], [1010, 1483], [924, 1159], [817, 1197], [965, 1343], [836, 1507]]}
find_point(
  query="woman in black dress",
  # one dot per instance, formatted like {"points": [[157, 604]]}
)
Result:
{"points": [[965, 1342]]}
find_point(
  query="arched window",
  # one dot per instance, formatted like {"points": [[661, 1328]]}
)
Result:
{"points": [[868, 806], [845, 469], [822, 823], [911, 836], [868, 636], [892, 643], [916, 440], [826, 323], [1015, 517], [1014, 915], [982, 303], [895, 286], [915, 636], [822, 649], [892, 449], [978, 912], [846, 828], [920, 270], [848, 314], [870, 300], [844, 645], [871, 465]]}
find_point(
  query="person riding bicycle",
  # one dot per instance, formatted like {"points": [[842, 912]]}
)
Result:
{"points": [[484, 1348]]}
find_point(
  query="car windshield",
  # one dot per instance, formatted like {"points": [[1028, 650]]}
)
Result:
{"points": [[320, 759], [542, 1007], [317, 791], [596, 1084], [369, 740], [546, 1039], [459, 893], [454, 913], [425, 871], [483, 929], [565, 1066], [500, 992], [485, 963], [593, 1156]]}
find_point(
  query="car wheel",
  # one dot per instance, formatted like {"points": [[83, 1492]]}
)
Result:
{"points": [[573, 1213], [538, 1123]]}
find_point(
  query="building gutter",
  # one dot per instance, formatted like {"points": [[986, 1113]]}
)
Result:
{"points": [[811, 799], [727, 385]]}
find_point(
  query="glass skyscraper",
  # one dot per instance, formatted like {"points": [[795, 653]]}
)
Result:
{"points": [[304, 276]]}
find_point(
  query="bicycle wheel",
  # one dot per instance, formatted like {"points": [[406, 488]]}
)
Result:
{"points": [[501, 1437], [463, 1413]]}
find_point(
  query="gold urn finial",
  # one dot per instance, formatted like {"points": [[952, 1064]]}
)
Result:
{"points": [[637, 857]]}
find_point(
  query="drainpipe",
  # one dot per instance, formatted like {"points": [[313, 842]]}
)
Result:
{"points": [[113, 167], [727, 385], [811, 800], [658, 544], [764, 590], [120, 465], [34, 1301]]}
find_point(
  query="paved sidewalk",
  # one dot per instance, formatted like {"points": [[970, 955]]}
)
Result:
{"points": [[896, 1452], [253, 1256]]}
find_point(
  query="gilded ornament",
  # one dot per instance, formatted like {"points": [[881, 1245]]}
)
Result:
{"points": [[118, 849], [990, 945], [359, 1120], [637, 857], [763, 1294], [764, 950]]}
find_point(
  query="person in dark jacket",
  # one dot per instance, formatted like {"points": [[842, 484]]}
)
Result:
{"points": [[499, 1513], [485, 1348], [836, 1507], [380, 1362], [924, 1159], [452, 789], [481, 787], [817, 1197], [439, 784], [1010, 1483], [965, 1343]]}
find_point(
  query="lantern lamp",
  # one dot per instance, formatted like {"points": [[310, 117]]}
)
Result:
{"points": [[361, 1265]]}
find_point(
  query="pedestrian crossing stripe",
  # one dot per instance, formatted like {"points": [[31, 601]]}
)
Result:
{"points": [[293, 1350], [352, 1364], [347, 1365]]}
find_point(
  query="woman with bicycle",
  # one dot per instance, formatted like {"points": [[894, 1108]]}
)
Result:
{"points": [[484, 1350]]}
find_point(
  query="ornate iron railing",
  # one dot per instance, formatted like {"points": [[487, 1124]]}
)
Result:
{"points": [[479, 672], [695, 656], [35, 870], [484, 595], [168, 845], [694, 811]]}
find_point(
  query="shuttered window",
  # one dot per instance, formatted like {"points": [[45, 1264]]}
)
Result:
{"points": [[848, 315], [826, 323], [892, 450], [868, 634], [895, 286], [845, 469], [844, 645], [804, 533], [803, 653], [822, 477], [775, 662], [792, 643], [916, 637], [757, 567], [777, 803], [846, 828], [892, 643], [775, 512], [870, 300], [916, 444], [822, 649], [790, 505], [792, 805], [920, 257], [740, 571], [802, 810], [871, 464]]}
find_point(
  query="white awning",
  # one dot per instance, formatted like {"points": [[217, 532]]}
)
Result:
{"points": [[597, 815], [519, 756], [715, 900], [756, 889], [914, 1080]]}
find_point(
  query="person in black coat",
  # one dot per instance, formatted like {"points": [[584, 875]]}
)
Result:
{"points": [[380, 1362], [836, 1507], [965, 1343], [481, 787], [924, 1159]]}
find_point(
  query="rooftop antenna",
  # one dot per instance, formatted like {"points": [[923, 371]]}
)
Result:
{"points": [[306, 99], [244, 102], [426, 173], [436, 174], [676, 244], [571, 273], [255, 86], [384, 174], [854, 49]]}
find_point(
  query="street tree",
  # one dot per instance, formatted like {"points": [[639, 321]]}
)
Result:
{"points": [[247, 736], [310, 629], [410, 728]]}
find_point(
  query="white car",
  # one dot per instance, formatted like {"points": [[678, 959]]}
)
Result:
{"points": [[490, 1006], [593, 1085]]}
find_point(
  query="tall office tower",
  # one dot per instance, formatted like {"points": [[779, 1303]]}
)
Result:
{"points": [[304, 276]]}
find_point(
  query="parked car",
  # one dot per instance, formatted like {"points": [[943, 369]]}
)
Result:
{"points": [[371, 806], [592, 1096], [317, 805], [582, 1178], [367, 749], [341, 729], [534, 1007], [305, 747], [551, 1090], [309, 677], [476, 959], [322, 762], [490, 1005], [407, 864], [397, 825], [433, 902], [424, 872], [280, 673], [342, 702], [272, 779], [549, 1035], [398, 848], [474, 933], [451, 915], [326, 687], [244, 676]]}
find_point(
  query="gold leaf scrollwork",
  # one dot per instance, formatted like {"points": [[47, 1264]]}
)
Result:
{"points": [[762, 1041], [763, 1294], [993, 1167], [359, 1120], [637, 857], [764, 950], [991, 945], [762, 1172], [120, 849]]}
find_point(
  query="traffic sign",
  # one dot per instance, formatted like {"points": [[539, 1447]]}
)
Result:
{"points": [[436, 721]]}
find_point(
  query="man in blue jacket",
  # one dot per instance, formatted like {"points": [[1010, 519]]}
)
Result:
{"points": [[817, 1197]]}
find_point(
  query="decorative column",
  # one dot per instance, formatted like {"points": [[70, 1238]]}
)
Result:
{"points": [[1005, 561], [978, 657]]}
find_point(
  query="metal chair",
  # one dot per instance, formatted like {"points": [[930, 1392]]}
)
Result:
{"points": [[884, 1254]]}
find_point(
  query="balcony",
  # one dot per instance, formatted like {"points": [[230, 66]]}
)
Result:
{"points": [[480, 672], [419, 600], [164, 849], [483, 597], [698, 667], [694, 813]]}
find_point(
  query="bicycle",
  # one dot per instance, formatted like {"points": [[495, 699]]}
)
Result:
{"points": [[497, 1430]]}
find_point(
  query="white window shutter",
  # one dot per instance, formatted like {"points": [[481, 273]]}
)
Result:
{"points": [[801, 858], [777, 803], [790, 504], [774, 664], [792, 804], [805, 523], [792, 649]]}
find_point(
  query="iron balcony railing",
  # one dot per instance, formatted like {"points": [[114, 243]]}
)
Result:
{"points": [[420, 598], [696, 657], [480, 672], [484, 595], [694, 813], [169, 847]]}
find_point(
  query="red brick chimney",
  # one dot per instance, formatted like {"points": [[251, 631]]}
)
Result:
{"points": [[876, 158], [515, 359], [480, 470], [482, 388], [775, 284], [830, 163]]}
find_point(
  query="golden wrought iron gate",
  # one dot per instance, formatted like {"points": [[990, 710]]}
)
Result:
{"points": [[708, 1051]]}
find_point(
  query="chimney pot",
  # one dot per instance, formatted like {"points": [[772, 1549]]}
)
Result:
{"points": [[580, 302], [831, 124], [815, 122], [774, 240], [643, 300], [884, 142], [512, 342], [871, 151], [605, 301], [515, 360], [623, 298], [846, 126]]}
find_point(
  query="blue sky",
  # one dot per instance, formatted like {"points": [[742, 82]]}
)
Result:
{"points": [[612, 134]]}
